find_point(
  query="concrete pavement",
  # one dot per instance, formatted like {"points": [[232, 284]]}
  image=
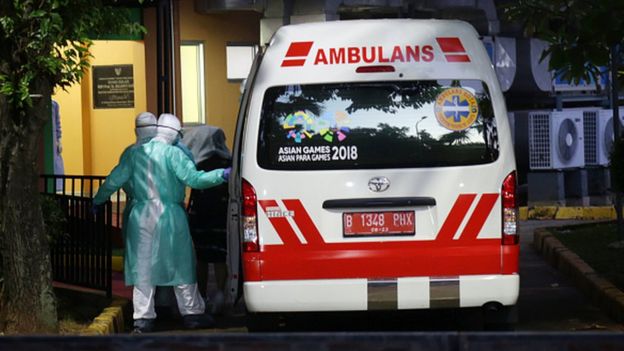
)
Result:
{"points": [[548, 299]]}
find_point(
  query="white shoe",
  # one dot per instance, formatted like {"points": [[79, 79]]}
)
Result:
{"points": [[217, 303]]}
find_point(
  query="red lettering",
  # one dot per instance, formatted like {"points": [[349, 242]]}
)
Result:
{"points": [[412, 53], [354, 55], [427, 53], [367, 59], [397, 54], [381, 57], [408, 53], [320, 57], [336, 55]]}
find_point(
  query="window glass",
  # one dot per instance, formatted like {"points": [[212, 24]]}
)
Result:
{"points": [[377, 125], [193, 92], [239, 59]]}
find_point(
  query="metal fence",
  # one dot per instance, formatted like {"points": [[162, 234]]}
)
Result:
{"points": [[84, 186], [82, 254]]}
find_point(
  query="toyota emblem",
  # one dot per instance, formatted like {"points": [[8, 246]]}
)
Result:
{"points": [[378, 184]]}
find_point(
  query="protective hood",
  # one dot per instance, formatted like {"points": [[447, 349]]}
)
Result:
{"points": [[145, 126], [169, 128], [205, 142]]}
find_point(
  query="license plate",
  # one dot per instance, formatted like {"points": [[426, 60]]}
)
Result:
{"points": [[378, 223]]}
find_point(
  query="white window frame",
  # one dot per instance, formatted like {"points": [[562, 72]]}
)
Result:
{"points": [[237, 54]]}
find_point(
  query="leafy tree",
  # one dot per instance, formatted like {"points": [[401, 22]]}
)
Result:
{"points": [[392, 132], [583, 36], [45, 44], [580, 33], [455, 137]]}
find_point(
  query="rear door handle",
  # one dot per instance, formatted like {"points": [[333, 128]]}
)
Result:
{"points": [[379, 202]]}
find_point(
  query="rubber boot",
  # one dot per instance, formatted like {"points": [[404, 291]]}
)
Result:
{"points": [[143, 325], [198, 321]]}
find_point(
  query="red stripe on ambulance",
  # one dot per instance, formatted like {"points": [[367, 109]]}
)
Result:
{"points": [[453, 49], [377, 259], [479, 216], [297, 53], [304, 222], [455, 216], [446, 233], [279, 222], [441, 256]]}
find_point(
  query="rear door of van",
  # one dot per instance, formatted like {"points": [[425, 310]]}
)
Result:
{"points": [[367, 168], [385, 162]]}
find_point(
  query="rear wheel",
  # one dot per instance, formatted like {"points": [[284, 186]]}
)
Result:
{"points": [[500, 318]]}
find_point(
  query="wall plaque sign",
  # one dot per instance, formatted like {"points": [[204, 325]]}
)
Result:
{"points": [[113, 87]]}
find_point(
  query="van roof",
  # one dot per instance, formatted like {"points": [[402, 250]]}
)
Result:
{"points": [[412, 49]]}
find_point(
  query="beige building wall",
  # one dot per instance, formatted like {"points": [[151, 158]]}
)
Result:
{"points": [[112, 130], [93, 139], [215, 31]]}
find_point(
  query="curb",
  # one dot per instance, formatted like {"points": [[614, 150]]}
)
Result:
{"points": [[600, 291], [554, 212], [110, 321]]}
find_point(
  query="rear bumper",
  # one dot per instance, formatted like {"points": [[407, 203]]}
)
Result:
{"points": [[391, 294]]}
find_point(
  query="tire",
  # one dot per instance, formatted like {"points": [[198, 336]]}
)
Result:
{"points": [[500, 318]]}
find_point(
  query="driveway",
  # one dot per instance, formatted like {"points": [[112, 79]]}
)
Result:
{"points": [[548, 301]]}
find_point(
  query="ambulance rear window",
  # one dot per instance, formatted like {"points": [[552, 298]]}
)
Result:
{"points": [[377, 125]]}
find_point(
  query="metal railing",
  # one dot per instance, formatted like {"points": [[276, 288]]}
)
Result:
{"points": [[82, 255], [84, 186]]}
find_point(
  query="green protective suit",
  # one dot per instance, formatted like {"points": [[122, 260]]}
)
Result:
{"points": [[159, 250], [129, 189]]}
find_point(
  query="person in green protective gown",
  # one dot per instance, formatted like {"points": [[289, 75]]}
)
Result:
{"points": [[145, 129], [159, 249]]}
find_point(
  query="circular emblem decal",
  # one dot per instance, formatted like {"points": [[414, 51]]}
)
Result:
{"points": [[378, 184], [456, 109]]}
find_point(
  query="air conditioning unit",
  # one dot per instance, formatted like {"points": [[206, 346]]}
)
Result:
{"points": [[593, 125], [556, 140], [598, 130]]}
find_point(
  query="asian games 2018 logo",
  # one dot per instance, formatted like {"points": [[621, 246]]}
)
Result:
{"points": [[456, 109], [329, 127]]}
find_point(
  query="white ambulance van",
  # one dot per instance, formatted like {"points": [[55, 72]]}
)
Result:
{"points": [[373, 170]]}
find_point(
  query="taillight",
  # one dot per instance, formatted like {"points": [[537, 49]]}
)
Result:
{"points": [[250, 218], [510, 211]]}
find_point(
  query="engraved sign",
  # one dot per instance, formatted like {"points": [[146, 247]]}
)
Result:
{"points": [[113, 87]]}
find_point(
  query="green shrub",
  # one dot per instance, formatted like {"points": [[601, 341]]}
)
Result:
{"points": [[53, 218]]}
